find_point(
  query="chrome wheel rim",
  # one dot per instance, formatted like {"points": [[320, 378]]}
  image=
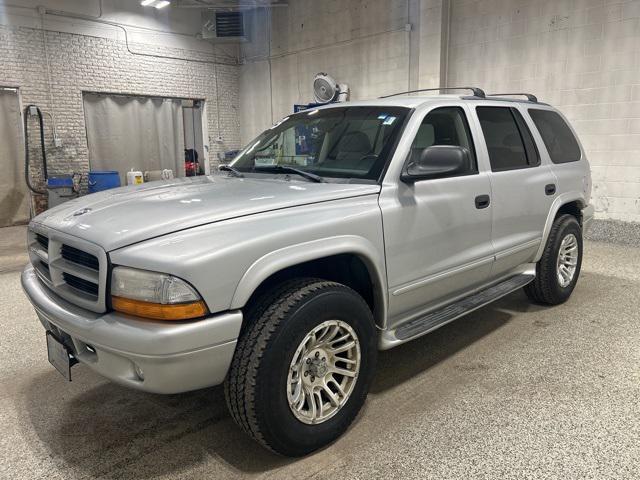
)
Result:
{"points": [[567, 260], [323, 372]]}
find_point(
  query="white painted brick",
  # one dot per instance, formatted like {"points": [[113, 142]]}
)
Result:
{"points": [[631, 9], [587, 62], [79, 63], [598, 127]]}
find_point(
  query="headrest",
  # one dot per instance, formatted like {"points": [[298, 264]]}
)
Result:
{"points": [[355, 142]]}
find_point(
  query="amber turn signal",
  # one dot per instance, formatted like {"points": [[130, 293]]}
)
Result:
{"points": [[157, 311]]}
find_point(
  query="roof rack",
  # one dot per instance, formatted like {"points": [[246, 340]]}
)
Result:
{"points": [[530, 97], [477, 92]]}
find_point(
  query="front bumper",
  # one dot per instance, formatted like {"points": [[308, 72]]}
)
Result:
{"points": [[173, 357]]}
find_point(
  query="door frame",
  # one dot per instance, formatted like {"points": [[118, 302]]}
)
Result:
{"points": [[198, 136]]}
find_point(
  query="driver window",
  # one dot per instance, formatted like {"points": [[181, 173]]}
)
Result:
{"points": [[444, 126]]}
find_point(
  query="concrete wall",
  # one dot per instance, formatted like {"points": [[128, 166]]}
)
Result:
{"points": [[377, 47], [360, 42], [54, 65], [582, 56]]}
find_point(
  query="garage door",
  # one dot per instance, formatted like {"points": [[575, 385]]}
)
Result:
{"points": [[139, 133], [14, 195]]}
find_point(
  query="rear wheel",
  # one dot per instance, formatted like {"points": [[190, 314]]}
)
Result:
{"points": [[303, 366], [558, 270]]}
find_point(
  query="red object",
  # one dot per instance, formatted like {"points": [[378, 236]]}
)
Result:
{"points": [[191, 169]]}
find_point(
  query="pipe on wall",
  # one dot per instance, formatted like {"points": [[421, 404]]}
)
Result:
{"points": [[100, 20]]}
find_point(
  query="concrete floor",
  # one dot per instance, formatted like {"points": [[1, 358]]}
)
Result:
{"points": [[511, 391]]}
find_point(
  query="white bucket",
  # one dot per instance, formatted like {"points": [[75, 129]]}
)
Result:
{"points": [[134, 177], [153, 175]]}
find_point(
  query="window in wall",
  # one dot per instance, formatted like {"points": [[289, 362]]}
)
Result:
{"points": [[142, 133], [556, 135], [444, 126], [508, 139]]}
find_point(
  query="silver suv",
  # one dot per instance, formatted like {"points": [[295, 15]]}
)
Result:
{"points": [[337, 232]]}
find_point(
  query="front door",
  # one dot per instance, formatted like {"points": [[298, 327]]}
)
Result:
{"points": [[437, 233]]}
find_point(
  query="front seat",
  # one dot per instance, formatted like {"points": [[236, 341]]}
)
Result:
{"points": [[351, 149]]}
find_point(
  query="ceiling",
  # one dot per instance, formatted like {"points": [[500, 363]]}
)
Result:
{"points": [[229, 4]]}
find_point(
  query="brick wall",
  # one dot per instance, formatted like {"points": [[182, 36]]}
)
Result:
{"points": [[582, 56], [84, 63]]}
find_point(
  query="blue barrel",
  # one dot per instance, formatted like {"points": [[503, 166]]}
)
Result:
{"points": [[99, 181], [60, 181], [60, 189]]}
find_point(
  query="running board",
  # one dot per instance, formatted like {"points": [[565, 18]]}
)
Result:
{"points": [[433, 320]]}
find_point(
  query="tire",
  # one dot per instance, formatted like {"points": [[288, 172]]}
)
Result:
{"points": [[547, 288], [258, 388]]}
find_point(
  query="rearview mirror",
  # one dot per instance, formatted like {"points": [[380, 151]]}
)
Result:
{"points": [[437, 161]]}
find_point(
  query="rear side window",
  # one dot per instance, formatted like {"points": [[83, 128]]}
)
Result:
{"points": [[508, 139], [556, 135]]}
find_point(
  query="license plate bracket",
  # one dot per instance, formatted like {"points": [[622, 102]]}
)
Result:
{"points": [[59, 356]]}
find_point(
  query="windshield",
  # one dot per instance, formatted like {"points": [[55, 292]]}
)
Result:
{"points": [[339, 142]]}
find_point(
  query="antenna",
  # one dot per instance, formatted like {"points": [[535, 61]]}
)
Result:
{"points": [[477, 92]]}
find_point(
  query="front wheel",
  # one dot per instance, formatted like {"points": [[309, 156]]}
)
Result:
{"points": [[558, 270], [303, 365]]}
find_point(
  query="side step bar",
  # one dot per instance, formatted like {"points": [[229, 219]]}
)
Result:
{"points": [[433, 320]]}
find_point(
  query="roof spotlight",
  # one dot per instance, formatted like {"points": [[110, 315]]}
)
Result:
{"points": [[155, 3]]}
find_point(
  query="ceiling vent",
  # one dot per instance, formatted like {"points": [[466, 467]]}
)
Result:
{"points": [[224, 26]]}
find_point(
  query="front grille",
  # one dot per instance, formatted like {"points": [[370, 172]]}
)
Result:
{"points": [[43, 241], [81, 258], [81, 284], [74, 269]]}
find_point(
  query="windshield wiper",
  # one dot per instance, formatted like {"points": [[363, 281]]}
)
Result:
{"points": [[287, 169], [234, 171]]}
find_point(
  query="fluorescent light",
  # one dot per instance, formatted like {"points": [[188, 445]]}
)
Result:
{"points": [[162, 4], [144, 3]]}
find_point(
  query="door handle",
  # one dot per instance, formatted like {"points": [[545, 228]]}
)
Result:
{"points": [[550, 189], [483, 201]]}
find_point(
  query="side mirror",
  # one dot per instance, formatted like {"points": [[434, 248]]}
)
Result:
{"points": [[437, 161]]}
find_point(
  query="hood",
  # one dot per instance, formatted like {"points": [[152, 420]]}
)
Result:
{"points": [[122, 216]]}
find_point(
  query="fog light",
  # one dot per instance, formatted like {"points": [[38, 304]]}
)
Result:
{"points": [[139, 372]]}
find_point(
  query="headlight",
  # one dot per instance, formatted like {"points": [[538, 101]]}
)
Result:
{"points": [[154, 295]]}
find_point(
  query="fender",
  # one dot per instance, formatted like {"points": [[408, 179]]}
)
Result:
{"points": [[555, 206], [293, 255]]}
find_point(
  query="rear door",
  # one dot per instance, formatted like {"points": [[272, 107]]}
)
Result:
{"points": [[567, 160], [523, 187]]}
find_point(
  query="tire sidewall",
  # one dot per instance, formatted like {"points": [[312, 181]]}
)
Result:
{"points": [[569, 226], [288, 434]]}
